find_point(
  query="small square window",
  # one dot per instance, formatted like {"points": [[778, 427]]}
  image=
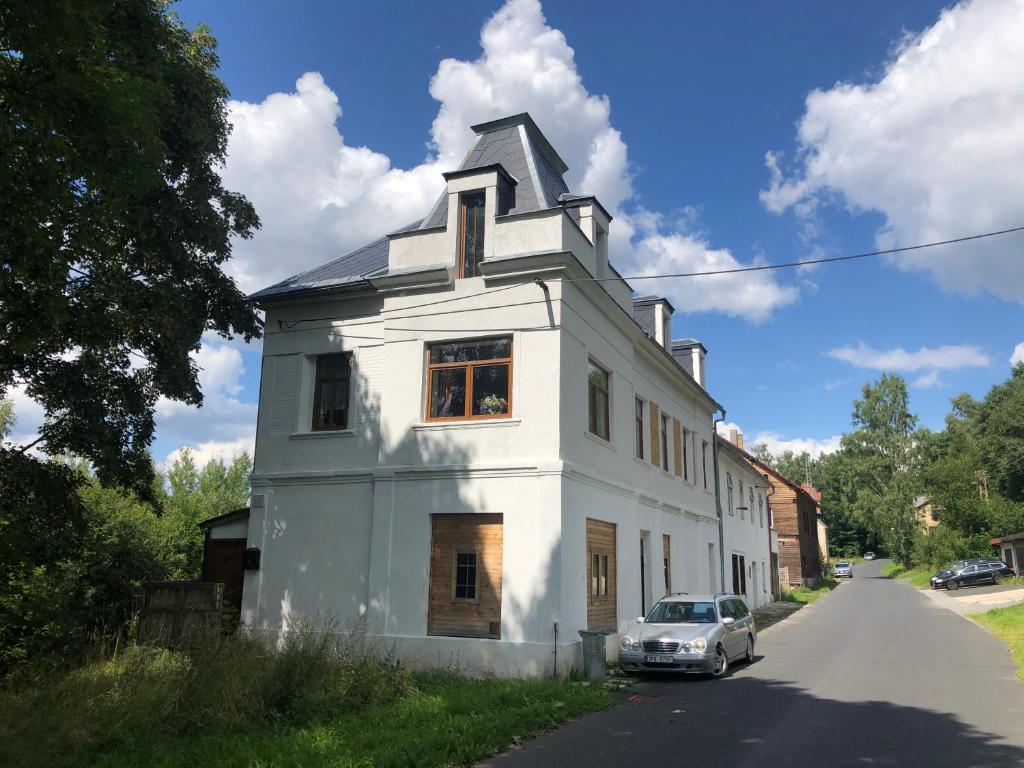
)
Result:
{"points": [[465, 576]]}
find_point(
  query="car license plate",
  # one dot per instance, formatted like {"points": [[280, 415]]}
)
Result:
{"points": [[659, 660]]}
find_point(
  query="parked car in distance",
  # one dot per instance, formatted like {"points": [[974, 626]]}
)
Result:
{"points": [[843, 570], [973, 574], [869, 555], [690, 634]]}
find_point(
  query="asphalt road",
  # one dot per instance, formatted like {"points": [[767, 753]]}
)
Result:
{"points": [[874, 674]]}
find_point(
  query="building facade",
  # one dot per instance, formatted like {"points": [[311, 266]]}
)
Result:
{"points": [[472, 438]]}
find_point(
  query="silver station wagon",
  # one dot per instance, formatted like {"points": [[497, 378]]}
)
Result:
{"points": [[691, 634]]}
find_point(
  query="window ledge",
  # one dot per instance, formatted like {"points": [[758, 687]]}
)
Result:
{"points": [[599, 440], [322, 435], [643, 462], [437, 426]]}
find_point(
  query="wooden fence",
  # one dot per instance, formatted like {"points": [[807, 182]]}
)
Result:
{"points": [[177, 613]]}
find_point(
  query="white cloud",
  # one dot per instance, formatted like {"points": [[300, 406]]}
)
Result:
{"points": [[831, 386], [943, 358], [777, 443], [224, 423], [1018, 354], [28, 416], [928, 381], [203, 452], [936, 146], [319, 196]]}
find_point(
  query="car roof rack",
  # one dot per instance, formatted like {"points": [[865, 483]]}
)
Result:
{"points": [[678, 593]]}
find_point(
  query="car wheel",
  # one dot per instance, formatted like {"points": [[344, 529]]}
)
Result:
{"points": [[749, 657], [721, 663], [952, 585], [997, 579]]}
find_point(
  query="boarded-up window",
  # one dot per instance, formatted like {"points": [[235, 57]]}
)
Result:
{"points": [[465, 576], [601, 591], [666, 542]]}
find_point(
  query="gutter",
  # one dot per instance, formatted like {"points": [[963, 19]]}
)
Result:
{"points": [[718, 498]]}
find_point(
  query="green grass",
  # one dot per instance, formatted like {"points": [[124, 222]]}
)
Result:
{"points": [[1008, 625], [919, 577], [317, 702], [808, 595]]}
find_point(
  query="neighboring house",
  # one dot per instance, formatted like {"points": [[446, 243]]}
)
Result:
{"points": [[747, 528], [815, 494], [927, 516], [794, 517], [1011, 549], [472, 445]]}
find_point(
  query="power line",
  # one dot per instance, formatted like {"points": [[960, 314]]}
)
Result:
{"points": [[784, 265], [289, 324]]}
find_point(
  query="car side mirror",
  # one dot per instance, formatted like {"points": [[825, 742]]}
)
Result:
{"points": [[640, 620], [727, 620]]}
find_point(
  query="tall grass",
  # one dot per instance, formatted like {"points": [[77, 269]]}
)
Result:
{"points": [[133, 693]]}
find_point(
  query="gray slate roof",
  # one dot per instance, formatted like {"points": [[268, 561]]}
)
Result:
{"points": [[514, 142]]}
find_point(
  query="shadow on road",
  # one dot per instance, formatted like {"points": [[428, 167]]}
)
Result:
{"points": [[745, 721]]}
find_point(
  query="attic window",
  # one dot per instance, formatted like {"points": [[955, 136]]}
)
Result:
{"points": [[471, 234]]}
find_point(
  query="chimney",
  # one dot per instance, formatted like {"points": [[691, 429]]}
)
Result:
{"points": [[690, 354], [734, 435], [739, 440], [654, 315]]}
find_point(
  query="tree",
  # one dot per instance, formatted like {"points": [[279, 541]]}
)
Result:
{"points": [[114, 224], [6, 417], [884, 455]]}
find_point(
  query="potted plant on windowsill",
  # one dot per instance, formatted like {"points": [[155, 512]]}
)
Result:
{"points": [[492, 405]]}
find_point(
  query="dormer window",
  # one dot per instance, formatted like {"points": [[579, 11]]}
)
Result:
{"points": [[471, 234]]}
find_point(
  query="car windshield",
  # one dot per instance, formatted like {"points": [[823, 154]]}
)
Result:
{"points": [[842, 564], [678, 612]]}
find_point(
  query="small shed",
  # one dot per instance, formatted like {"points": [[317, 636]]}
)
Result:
{"points": [[1011, 549], [224, 553]]}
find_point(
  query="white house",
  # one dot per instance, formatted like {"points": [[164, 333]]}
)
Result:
{"points": [[747, 524], [472, 437]]}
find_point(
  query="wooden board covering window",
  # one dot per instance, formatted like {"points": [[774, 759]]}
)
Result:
{"points": [[450, 535], [601, 609], [666, 542], [677, 445], [655, 436]]}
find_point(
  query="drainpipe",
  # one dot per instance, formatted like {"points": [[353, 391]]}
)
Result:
{"points": [[718, 500]]}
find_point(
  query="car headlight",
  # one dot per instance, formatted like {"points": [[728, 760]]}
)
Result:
{"points": [[700, 645], [627, 642]]}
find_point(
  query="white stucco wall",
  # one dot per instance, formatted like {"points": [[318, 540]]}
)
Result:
{"points": [[345, 522], [746, 532]]}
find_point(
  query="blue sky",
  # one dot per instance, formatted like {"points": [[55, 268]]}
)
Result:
{"points": [[916, 133]]}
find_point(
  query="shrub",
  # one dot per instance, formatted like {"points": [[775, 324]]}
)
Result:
{"points": [[135, 692]]}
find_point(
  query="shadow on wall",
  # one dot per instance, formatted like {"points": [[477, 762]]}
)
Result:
{"points": [[326, 573], [769, 723]]}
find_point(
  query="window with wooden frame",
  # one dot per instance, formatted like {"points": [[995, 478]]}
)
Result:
{"points": [[469, 379], [664, 441], [331, 392], [471, 233], [598, 575], [760, 509], [743, 509], [704, 462], [597, 399], [465, 583], [751, 507], [639, 420], [728, 487]]}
